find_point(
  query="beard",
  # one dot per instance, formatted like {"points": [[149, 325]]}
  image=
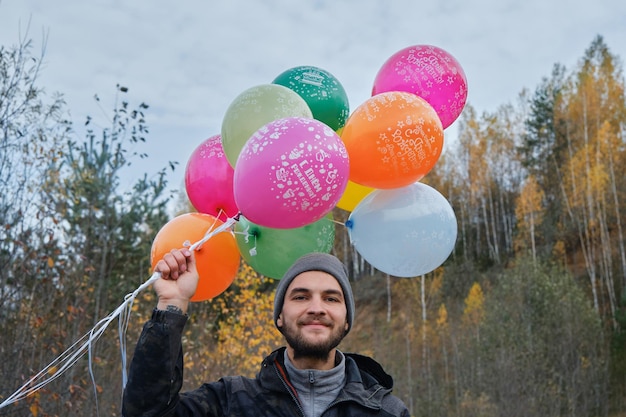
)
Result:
{"points": [[303, 348]]}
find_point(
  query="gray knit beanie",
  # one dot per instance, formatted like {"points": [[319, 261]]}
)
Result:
{"points": [[316, 261]]}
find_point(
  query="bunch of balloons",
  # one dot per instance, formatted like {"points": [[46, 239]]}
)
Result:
{"points": [[290, 151]]}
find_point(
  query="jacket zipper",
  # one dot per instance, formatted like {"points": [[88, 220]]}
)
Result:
{"points": [[288, 387]]}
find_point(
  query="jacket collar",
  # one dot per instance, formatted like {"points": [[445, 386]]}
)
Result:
{"points": [[366, 381]]}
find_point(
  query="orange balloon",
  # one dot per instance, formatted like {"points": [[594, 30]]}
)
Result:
{"points": [[217, 259], [393, 140], [353, 195]]}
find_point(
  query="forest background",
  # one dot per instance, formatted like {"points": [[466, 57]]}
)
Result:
{"points": [[526, 318]]}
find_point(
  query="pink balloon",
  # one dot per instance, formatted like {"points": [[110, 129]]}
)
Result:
{"points": [[431, 73], [209, 180], [290, 173]]}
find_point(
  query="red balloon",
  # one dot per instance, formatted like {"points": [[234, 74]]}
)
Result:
{"points": [[209, 180], [217, 259]]}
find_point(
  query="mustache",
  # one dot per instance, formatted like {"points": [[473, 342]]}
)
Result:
{"points": [[316, 320]]}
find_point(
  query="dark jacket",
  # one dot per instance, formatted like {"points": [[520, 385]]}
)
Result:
{"points": [[155, 379]]}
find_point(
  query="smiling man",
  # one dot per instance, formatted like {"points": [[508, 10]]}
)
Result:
{"points": [[313, 309]]}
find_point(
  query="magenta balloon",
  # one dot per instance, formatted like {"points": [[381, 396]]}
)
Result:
{"points": [[209, 180], [290, 173], [429, 72]]}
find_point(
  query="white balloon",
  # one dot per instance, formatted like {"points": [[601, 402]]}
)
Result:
{"points": [[404, 232]]}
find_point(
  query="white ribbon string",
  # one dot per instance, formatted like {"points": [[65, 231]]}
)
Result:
{"points": [[71, 355]]}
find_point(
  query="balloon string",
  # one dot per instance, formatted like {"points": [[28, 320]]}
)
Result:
{"points": [[71, 355], [348, 223], [226, 225]]}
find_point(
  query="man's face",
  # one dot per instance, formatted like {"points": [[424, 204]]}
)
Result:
{"points": [[314, 315]]}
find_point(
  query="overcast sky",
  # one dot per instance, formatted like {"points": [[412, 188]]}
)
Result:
{"points": [[189, 59]]}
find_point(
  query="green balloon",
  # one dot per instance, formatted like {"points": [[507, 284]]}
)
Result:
{"points": [[321, 90], [254, 108], [272, 251]]}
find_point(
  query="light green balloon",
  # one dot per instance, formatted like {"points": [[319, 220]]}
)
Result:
{"points": [[272, 251], [254, 108]]}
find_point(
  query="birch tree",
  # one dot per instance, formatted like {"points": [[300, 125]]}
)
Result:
{"points": [[593, 112], [529, 212]]}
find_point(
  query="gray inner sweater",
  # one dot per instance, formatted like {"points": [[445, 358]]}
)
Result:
{"points": [[317, 389]]}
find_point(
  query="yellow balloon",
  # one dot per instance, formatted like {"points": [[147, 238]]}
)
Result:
{"points": [[353, 195]]}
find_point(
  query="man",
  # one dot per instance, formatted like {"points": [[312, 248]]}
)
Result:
{"points": [[313, 309]]}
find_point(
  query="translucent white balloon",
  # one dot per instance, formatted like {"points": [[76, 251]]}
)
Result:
{"points": [[404, 232]]}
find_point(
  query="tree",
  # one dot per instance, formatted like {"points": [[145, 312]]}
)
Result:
{"points": [[107, 232], [32, 130], [85, 247], [481, 176], [542, 346], [593, 113], [529, 213], [542, 154], [109, 228]]}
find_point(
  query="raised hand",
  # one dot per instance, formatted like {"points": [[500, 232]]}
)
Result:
{"points": [[178, 281]]}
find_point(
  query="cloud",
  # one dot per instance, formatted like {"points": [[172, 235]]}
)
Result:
{"points": [[188, 60]]}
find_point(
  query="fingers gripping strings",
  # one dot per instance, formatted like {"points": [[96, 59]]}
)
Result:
{"points": [[77, 350]]}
